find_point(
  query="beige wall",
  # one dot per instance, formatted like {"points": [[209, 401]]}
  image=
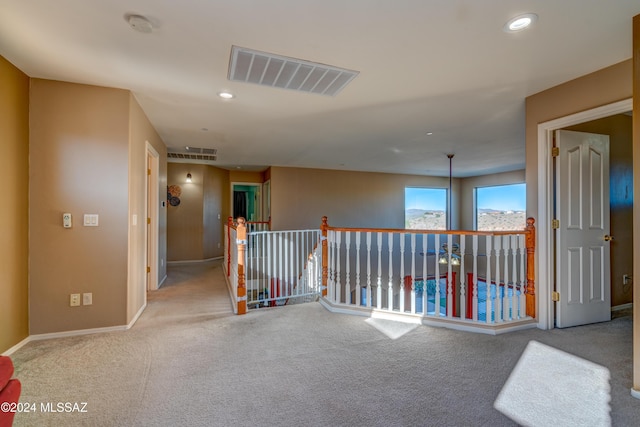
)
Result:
{"points": [[468, 185], [79, 164], [600, 88], [14, 175], [243, 176], [140, 133], [618, 128], [216, 191], [194, 231], [185, 225], [300, 197]]}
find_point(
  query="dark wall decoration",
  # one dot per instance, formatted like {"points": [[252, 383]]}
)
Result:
{"points": [[173, 195]]}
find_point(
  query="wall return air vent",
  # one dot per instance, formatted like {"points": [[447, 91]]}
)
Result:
{"points": [[267, 69]]}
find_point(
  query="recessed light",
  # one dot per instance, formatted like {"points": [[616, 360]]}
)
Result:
{"points": [[225, 95], [520, 22], [429, 133]]}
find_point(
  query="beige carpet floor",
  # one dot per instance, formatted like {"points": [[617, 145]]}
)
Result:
{"points": [[190, 362]]}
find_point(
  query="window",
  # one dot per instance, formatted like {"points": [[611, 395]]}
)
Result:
{"points": [[425, 208], [501, 207]]}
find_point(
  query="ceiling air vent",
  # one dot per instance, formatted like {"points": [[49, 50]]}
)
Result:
{"points": [[267, 69], [193, 153]]}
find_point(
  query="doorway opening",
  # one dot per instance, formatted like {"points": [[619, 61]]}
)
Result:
{"points": [[546, 245], [246, 201]]}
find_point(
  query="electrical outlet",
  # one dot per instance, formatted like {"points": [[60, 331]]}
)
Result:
{"points": [[87, 298], [74, 300], [218, 245]]}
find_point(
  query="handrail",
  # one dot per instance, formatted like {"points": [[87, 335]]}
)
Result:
{"points": [[528, 233], [524, 243]]}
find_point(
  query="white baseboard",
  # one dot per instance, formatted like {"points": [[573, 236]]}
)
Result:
{"points": [[137, 316], [193, 261], [635, 393], [16, 347], [162, 281], [622, 307], [457, 324], [77, 332]]}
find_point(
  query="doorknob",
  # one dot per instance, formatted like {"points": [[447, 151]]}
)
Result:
{"points": [[608, 238]]}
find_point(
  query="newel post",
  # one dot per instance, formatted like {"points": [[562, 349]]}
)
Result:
{"points": [[325, 255], [242, 285], [530, 237]]}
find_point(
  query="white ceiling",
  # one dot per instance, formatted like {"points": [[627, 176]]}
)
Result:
{"points": [[441, 66]]}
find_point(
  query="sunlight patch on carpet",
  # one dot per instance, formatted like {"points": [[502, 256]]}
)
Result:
{"points": [[390, 328], [550, 387]]}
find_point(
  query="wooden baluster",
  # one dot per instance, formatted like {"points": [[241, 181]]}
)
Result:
{"points": [[413, 273], [450, 283], [369, 295], [488, 302], [463, 278], [505, 299], [325, 253], [337, 272], [242, 286], [390, 285], [379, 291], [513, 241], [474, 289], [280, 278], [437, 278], [300, 266], [347, 268], [358, 291], [332, 263], [402, 290], [498, 300], [229, 226], [531, 274], [522, 300], [424, 273]]}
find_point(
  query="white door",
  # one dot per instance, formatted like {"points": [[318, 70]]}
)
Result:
{"points": [[582, 249]]}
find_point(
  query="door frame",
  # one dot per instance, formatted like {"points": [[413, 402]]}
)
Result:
{"points": [[545, 273], [152, 212]]}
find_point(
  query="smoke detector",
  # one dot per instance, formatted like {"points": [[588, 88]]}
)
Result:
{"points": [[139, 23]]}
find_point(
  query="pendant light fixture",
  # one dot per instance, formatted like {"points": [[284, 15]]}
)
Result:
{"points": [[455, 250]]}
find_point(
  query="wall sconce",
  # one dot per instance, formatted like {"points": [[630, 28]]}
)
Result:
{"points": [[188, 177]]}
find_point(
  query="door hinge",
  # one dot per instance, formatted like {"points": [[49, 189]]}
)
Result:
{"points": [[555, 224], [555, 296], [148, 269], [148, 171], [148, 220], [555, 151]]}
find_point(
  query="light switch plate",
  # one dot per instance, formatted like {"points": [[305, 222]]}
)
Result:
{"points": [[90, 220], [87, 298]]}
